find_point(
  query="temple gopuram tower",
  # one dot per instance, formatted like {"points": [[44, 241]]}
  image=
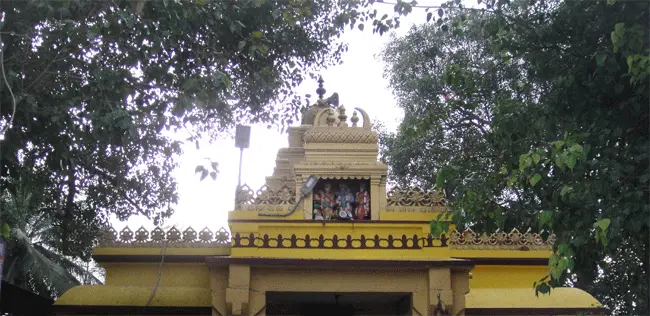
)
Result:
{"points": [[324, 236]]}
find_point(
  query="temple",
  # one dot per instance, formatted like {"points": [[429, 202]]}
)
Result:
{"points": [[325, 236]]}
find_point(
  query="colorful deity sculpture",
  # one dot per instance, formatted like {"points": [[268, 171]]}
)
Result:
{"points": [[327, 201], [345, 199], [362, 203], [317, 206]]}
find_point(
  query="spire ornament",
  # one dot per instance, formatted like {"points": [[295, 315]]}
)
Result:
{"points": [[320, 91], [342, 116], [354, 119]]}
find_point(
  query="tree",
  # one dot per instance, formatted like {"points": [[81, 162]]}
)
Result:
{"points": [[33, 260], [535, 114]]}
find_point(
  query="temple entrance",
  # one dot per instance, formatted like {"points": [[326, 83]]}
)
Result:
{"points": [[342, 304]]}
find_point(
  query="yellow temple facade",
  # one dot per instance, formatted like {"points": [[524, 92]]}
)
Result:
{"points": [[325, 236]]}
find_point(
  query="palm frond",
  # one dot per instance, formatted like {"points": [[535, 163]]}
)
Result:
{"points": [[68, 264], [33, 262]]}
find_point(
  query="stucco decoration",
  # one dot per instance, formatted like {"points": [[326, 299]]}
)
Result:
{"points": [[468, 239], [265, 195], [347, 163], [342, 135], [271, 208], [415, 197], [412, 209], [173, 237]]}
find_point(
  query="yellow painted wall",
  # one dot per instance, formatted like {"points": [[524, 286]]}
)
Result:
{"points": [[486, 276], [131, 284], [145, 274]]}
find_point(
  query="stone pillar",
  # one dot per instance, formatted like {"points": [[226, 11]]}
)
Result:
{"points": [[307, 206], [460, 286], [375, 197], [218, 286], [239, 277], [440, 289], [302, 206], [382, 193]]}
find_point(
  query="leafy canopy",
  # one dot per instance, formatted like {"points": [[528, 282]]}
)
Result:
{"points": [[535, 114]]}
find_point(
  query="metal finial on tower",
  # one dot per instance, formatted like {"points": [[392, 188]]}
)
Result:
{"points": [[320, 91]]}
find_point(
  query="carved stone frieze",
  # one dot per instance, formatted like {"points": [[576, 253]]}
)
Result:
{"points": [[271, 208], [341, 135], [335, 163], [415, 197], [411, 209], [173, 237], [515, 240], [265, 195]]}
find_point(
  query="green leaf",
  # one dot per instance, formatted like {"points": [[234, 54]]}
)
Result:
{"points": [[440, 13], [6, 231], [545, 218], [429, 16], [603, 224], [611, 2], [535, 179], [524, 162], [565, 189], [570, 161], [360, 26], [576, 148], [559, 161], [536, 158], [437, 228], [199, 169], [600, 60]]}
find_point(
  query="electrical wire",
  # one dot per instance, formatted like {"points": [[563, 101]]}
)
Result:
{"points": [[159, 276]]}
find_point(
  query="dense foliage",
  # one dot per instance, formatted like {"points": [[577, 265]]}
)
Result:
{"points": [[535, 114]]}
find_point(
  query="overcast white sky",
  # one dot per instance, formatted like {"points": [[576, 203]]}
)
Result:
{"points": [[359, 82]]}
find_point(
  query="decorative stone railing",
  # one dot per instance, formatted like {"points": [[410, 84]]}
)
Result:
{"points": [[265, 196], [173, 237], [468, 239], [456, 240]]}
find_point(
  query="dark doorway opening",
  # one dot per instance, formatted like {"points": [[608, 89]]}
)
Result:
{"points": [[341, 304]]}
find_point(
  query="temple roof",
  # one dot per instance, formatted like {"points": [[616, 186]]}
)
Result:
{"points": [[498, 300], [524, 298]]}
